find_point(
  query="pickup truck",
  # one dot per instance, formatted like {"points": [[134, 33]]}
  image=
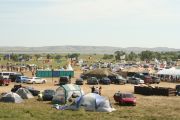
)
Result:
{"points": [[4, 81]]}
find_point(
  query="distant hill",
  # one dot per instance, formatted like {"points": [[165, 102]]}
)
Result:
{"points": [[79, 49]]}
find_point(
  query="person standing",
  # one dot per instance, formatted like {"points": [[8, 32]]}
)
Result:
{"points": [[92, 89], [100, 90]]}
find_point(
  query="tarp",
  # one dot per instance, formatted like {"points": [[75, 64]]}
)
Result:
{"points": [[99, 73]]}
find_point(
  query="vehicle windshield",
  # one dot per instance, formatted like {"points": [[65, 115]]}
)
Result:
{"points": [[106, 79], [93, 78], [119, 77], [127, 96]]}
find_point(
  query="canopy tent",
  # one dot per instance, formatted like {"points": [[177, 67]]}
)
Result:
{"points": [[64, 92], [172, 71], [99, 73], [11, 97], [92, 102]]}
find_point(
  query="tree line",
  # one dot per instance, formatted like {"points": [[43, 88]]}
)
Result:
{"points": [[118, 55], [143, 56], [27, 57]]}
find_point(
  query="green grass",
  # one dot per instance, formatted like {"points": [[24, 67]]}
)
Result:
{"points": [[148, 108]]}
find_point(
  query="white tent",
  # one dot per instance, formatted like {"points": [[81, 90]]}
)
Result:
{"points": [[171, 71], [12, 97], [69, 67]]}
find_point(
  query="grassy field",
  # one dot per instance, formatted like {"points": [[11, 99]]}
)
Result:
{"points": [[148, 108]]}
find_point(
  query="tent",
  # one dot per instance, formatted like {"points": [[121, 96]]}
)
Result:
{"points": [[171, 71], [99, 73], [92, 102], [24, 93], [69, 67], [11, 97], [65, 92]]}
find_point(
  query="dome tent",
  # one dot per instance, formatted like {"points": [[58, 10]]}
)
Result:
{"points": [[11, 97], [64, 92], [92, 102], [24, 93]]}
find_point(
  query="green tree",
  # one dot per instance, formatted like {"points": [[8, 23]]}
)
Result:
{"points": [[58, 57], [26, 56], [146, 55], [132, 56], [73, 55], [48, 56], [15, 57], [118, 54], [37, 56]]}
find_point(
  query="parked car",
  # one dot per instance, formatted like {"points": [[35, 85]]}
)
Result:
{"points": [[119, 80], [92, 81], [13, 77], [146, 78], [79, 81], [134, 80], [125, 98], [35, 80], [105, 80], [64, 80], [156, 79], [21, 79], [4, 81], [83, 76]]}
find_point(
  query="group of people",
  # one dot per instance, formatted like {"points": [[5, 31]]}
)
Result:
{"points": [[96, 90]]}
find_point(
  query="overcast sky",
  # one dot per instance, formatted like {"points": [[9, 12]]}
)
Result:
{"points": [[120, 23]]}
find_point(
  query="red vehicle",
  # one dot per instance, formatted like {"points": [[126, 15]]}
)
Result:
{"points": [[4, 81], [125, 98]]}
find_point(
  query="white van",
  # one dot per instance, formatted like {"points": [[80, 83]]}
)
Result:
{"points": [[6, 74]]}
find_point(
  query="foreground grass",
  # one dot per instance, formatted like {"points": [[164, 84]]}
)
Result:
{"points": [[148, 108]]}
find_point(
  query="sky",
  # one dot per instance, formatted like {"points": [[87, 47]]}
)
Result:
{"points": [[118, 23]]}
